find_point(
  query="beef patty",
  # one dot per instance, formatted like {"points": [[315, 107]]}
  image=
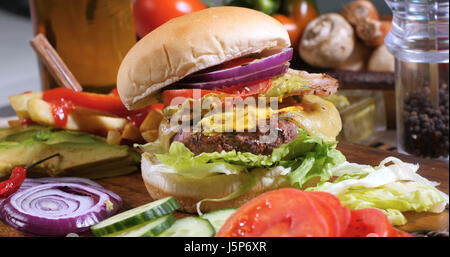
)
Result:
{"points": [[240, 141]]}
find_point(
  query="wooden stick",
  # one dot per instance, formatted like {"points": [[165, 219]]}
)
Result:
{"points": [[56, 66]]}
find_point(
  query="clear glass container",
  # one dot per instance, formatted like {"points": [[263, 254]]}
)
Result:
{"points": [[419, 42], [91, 36]]}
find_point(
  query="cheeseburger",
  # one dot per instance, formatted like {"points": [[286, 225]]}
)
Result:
{"points": [[237, 120]]}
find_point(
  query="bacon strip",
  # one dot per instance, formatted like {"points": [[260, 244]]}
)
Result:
{"points": [[319, 84]]}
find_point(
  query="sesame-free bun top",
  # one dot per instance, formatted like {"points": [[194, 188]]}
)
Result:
{"points": [[193, 42]]}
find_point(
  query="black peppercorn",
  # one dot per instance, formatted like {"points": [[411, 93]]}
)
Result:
{"points": [[426, 127]]}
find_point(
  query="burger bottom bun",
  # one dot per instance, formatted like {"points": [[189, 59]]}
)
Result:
{"points": [[189, 191]]}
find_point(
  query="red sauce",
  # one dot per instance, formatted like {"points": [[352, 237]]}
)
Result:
{"points": [[65, 100], [26, 121]]}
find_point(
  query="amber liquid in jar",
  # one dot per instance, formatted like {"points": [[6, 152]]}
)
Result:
{"points": [[91, 36]]}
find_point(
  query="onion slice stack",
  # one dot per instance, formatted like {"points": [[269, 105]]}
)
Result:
{"points": [[272, 62], [58, 206]]}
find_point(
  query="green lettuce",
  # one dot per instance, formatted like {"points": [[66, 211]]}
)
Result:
{"points": [[306, 156], [393, 189], [394, 198]]}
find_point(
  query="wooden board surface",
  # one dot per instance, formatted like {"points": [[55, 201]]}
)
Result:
{"points": [[132, 189]]}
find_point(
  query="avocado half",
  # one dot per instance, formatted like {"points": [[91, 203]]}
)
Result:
{"points": [[81, 154]]}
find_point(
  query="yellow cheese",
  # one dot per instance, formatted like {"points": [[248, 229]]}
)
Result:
{"points": [[315, 115]]}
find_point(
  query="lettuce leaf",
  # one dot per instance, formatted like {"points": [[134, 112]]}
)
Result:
{"points": [[307, 157], [393, 189], [395, 198]]}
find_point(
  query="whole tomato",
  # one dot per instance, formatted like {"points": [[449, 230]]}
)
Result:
{"points": [[301, 11], [150, 14], [292, 28]]}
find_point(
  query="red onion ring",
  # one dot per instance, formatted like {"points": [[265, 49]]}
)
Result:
{"points": [[218, 84], [29, 182], [270, 58], [56, 209]]}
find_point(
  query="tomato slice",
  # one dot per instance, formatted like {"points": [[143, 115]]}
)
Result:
{"points": [[367, 221], [178, 96], [236, 62], [329, 213], [398, 233], [248, 89], [282, 212], [230, 64], [344, 214]]}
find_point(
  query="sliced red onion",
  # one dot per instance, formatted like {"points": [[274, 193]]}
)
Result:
{"points": [[218, 84], [269, 58], [56, 209], [29, 182]]}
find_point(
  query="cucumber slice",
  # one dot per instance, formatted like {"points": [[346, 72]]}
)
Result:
{"points": [[150, 228], [218, 217], [190, 227], [135, 216]]}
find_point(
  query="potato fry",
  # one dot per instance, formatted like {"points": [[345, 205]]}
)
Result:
{"points": [[150, 126], [14, 123], [152, 120], [131, 132], [150, 135], [113, 137]]}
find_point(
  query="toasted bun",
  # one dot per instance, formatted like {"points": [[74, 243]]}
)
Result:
{"points": [[191, 43], [188, 191]]}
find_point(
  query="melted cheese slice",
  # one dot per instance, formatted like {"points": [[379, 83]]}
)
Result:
{"points": [[318, 117]]}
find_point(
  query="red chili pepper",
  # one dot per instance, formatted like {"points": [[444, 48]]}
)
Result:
{"points": [[11, 185], [17, 177]]}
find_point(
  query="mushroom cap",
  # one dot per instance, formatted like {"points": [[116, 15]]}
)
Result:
{"points": [[327, 40]]}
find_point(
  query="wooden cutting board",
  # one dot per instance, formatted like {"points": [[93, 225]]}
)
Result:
{"points": [[132, 189]]}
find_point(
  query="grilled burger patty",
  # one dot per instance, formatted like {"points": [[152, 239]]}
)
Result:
{"points": [[240, 141]]}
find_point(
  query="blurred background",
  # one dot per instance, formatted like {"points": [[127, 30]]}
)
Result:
{"points": [[366, 98], [18, 63]]}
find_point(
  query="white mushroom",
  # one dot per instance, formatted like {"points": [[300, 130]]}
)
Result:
{"points": [[381, 60], [364, 17], [327, 41], [357, 60]]}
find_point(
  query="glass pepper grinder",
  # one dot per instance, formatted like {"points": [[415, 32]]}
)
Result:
{"points": [[419, 41]]}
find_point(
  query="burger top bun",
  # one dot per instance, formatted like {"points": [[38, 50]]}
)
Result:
{"points": [[191, 43]]}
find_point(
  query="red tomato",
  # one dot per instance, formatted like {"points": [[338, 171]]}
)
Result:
{"points": [[236, 62], [367, 221], [399, 233], [249, 89], [292, 28], [282, 212], [150, 14], [343, 212], [330, 213], [168, 96], [301, 11]]}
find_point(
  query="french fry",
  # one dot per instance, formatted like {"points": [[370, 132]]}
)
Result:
{"points": [[131, 132], [150, 135], [152, 120], [14, 123], [150, 126], [113, 137]]}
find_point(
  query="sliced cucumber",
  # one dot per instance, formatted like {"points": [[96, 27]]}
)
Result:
{"points": [[135, 216], [150, 228], [190, 227], [218, 217]]}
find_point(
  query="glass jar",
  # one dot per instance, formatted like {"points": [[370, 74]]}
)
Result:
{"points": [[91, 36], [419, 42]]}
